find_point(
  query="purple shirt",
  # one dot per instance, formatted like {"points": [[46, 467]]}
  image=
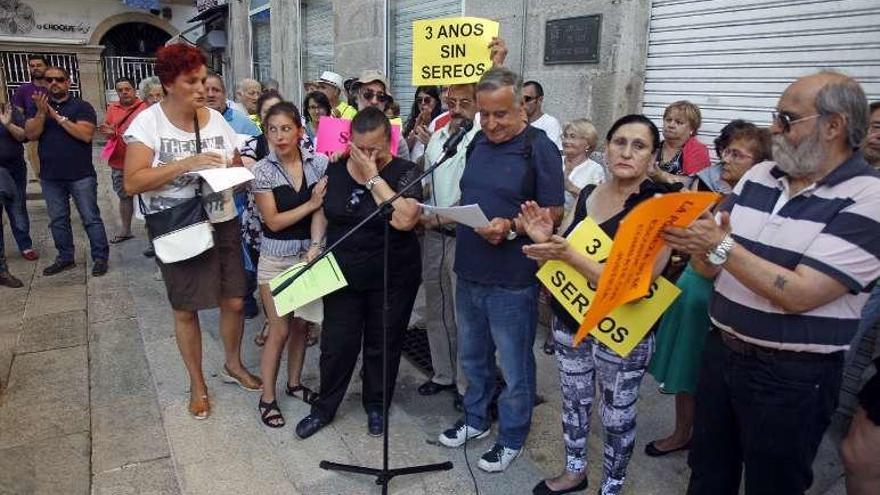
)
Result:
{"points": [[22, 97]]}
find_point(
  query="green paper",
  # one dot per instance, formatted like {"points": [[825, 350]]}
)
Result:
{"points": [[322, 279]]}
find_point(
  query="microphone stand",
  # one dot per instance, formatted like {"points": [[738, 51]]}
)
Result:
{"points": [[385, 209]]}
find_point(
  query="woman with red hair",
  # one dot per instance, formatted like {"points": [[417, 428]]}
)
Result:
{"points": [[161, 153]]}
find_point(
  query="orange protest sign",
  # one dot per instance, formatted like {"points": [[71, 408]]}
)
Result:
{"points": [[628, 272]]}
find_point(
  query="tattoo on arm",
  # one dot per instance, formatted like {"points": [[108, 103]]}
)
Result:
{"points": [[780, 282]]}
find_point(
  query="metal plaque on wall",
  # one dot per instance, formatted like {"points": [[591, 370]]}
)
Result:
{"points": [[573, 41]]}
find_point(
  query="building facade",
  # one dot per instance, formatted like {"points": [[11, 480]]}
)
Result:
{"points": [[96, 41]]}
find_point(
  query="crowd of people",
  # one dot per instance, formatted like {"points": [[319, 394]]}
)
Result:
{"points": [[773, 279]]}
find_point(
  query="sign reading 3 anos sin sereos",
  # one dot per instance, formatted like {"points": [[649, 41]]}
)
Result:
{"points": [[627, 325], [453, 50]]}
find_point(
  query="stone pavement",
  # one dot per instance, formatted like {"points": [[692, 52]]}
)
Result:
{"points": [[94, 400]]}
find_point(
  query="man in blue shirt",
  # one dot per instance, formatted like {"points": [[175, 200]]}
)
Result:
{"points": [[215, 98], [64, 126], [497, 292]]}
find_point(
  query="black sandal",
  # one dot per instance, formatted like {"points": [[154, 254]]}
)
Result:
{"points": [[308, 396], [269, 412], [549, 346]]}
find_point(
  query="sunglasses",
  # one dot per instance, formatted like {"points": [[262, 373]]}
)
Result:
{"points": [[54, 79], [369, 94], [424, 100], [786, 120], [354, 200]]}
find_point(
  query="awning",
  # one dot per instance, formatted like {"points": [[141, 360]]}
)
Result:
{"points": [[142, 4], [210, 13]]}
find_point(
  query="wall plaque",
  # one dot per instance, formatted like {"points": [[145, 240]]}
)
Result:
{"points": [[573, 41]]}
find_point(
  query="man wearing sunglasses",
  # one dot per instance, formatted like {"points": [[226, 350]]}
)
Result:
{"points": [[372, 91], [796, 250], [64, 126], [22, 99], [533, 101]]}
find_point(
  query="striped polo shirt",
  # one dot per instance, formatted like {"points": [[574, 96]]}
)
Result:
{"points": [[832, 226]]}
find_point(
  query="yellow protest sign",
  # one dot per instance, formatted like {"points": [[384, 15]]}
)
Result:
{"points": [[453, 50], [322, 279], [625, 326], [628, 271]]}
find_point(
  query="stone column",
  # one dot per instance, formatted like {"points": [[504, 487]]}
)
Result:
{"points": [[284, 26], [238, 46], [91, 78], [359, 26]]}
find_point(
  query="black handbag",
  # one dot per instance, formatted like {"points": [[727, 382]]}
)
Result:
{"points": [[182, 231]]}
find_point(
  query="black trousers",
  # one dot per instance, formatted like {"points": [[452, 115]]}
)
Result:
{"points": [[353, 318], [765, 412]]}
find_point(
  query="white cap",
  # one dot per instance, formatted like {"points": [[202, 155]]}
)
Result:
{"points": [[332, 78]]}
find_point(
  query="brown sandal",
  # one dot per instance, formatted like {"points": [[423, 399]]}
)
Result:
{"points": [[260, 337], [246, 381], [199, 407], [307, 395]]}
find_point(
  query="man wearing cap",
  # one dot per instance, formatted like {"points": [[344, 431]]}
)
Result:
{"points": [[372, 91], [330, 83]]}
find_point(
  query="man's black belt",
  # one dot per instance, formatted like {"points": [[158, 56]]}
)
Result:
{"points": [[446, 232], [744, 348]]}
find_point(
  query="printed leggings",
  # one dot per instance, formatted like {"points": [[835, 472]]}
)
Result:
{"points": [[581, 369]]}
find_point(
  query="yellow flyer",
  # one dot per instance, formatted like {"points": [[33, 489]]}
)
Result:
{"points": [[453, 50], [626, 326], [322, 279]]}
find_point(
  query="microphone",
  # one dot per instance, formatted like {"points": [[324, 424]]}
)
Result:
{"points": [[449, 147]]}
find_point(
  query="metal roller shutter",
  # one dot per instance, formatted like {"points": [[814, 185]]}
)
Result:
{"points": [[734, 59], [317, 52], [403, 13]]}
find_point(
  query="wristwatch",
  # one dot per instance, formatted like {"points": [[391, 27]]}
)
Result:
{"points": [[62, 119], [372, 181], [511, 234], [718, 256]]}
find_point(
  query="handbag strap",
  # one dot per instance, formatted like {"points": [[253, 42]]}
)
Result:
{"points": [[198, 147]]}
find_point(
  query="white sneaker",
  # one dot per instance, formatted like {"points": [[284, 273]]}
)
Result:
{"points": [[497, 459], [456, 436]]}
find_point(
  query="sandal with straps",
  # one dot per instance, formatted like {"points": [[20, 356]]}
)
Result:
{"points": [[270, 414], [308, 395]]}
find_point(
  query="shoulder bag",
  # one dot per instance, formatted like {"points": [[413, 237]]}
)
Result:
{"points": [[182, 231]]}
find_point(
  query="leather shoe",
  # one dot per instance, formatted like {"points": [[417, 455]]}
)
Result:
{"points": [[431, 387], [375, 423], [542, 488], [652, 450], [8, 280], [58, 267], [309, 425], [99, 268]]}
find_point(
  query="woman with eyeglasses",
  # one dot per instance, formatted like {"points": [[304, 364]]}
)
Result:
{"points": [[685, 324], [317, 105], [425, 108], [353, 315], [289, 187], [372, 91], [632, 144]]}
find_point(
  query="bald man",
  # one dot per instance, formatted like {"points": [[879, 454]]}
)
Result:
{"points": [[796, 250]]}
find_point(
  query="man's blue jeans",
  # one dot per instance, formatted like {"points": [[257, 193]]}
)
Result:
{"points": [[85, 196], [16, 210], [491, 317]]}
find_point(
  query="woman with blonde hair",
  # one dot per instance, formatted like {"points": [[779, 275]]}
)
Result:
{"points": [[579, 138], [681, 154]]}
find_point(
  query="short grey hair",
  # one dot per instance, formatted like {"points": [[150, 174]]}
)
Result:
{"points": [[845, 97], [247, 82], [500, 77], [147, 84]]}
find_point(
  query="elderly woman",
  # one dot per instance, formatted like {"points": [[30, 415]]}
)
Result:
{"points": [[354, 314], [632, 144], [579, 138], [681, 153], [683, 331], [150, 90], [288, 188], [160, 156]]}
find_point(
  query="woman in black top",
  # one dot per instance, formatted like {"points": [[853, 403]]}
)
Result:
{"points": [[369, 176], [631, 145]]}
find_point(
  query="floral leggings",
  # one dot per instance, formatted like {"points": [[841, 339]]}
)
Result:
{"points": [[581, 369]]}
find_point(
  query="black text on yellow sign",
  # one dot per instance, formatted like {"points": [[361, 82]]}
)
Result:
{"points": [[454, 50], [627, 325]]}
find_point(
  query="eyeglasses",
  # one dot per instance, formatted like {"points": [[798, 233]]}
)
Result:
{"points": [[529, 99], [424, 100], [369, 94], [54, 79], [354, 200], [786, 120], [735, 155]]}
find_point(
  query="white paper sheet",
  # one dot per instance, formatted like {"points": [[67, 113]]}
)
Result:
{"points": [[221, 179], [470, 215]]}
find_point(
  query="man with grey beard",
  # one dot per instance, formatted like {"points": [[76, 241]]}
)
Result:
{"points": [[794, 255]]}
